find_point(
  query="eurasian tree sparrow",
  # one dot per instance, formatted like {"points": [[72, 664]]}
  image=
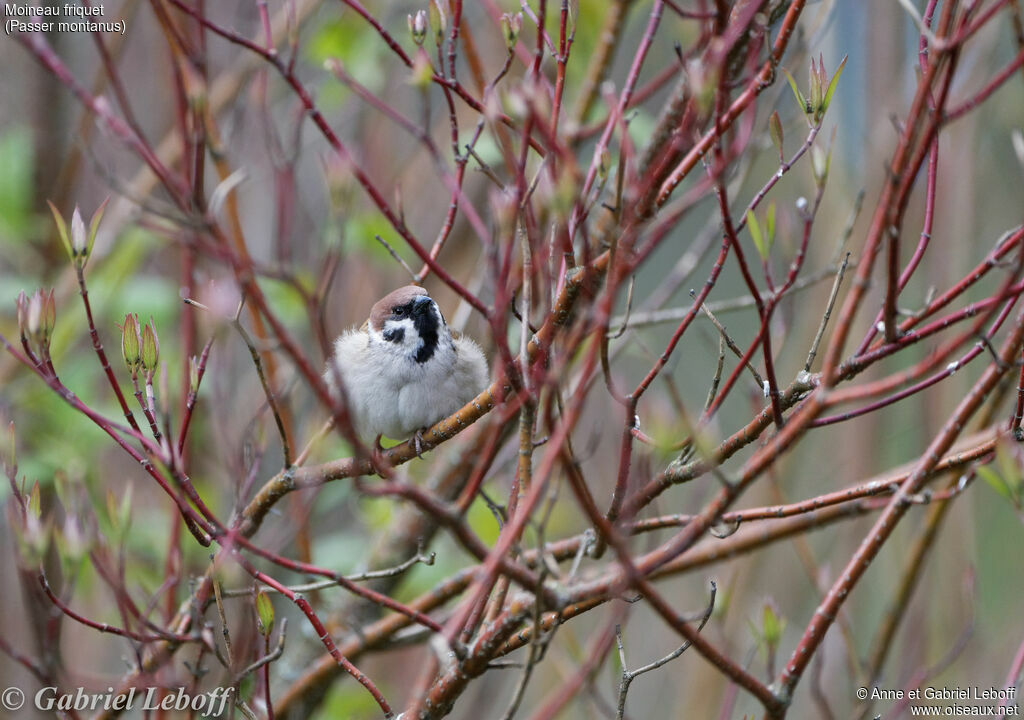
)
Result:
{"points": [[403, 370]]}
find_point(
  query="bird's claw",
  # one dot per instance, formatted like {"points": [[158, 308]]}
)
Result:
{"points": [[417, 442], [377, 458]]}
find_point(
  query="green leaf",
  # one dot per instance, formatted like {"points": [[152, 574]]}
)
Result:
{"points": [[995, 481], [832, 86], [94, 224], [62, 229], [775, 131], [769, 222], [438, 21], [816, 91], [265, 612], [771, 625], [756, 235], [35, 506], [805, 108]]}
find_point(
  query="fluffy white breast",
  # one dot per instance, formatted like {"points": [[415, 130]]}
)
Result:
{"points": [[391, 393]]}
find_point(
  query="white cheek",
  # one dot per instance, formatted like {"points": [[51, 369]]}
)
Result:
{"points": [[410, 342]]}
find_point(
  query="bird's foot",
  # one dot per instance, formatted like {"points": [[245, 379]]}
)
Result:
{"points": [[418, 442], [377, 458]]}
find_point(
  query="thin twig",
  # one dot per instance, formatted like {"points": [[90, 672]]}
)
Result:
{"points": [[728, 340], [828, 313], [268, 658], [629, 675], [219, 596], [358, 577], [398, 257], [264, 382], [717, 378]]}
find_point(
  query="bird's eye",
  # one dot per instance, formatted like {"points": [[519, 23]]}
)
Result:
{"points": [[399, 310]]}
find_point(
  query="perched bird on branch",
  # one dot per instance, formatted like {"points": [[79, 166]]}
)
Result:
{"points": [[404, 370]]}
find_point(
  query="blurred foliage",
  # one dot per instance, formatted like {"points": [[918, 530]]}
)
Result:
{"points": [[53, 434], [17, 219], [346, 700], [482, 521], [138, 273], [360, 238], [359, 51], [285, 299]]}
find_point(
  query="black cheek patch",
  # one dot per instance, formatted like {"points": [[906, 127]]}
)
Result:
{"points": [[395, 335]]}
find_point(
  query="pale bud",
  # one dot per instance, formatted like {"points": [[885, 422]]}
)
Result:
{"points": [[37, 316], [79, 238], [78, 241], [418, 27]]}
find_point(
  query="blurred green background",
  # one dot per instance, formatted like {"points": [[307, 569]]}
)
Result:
{"points": [[136, 268]]}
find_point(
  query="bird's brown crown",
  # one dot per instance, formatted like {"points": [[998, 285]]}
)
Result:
{"points": [[383, 308]]}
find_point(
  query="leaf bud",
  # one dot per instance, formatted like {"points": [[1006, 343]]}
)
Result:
{"points": [[438, 21], [511, 24], [79, 238], [150, 347], [418, 27], [131, 343]]}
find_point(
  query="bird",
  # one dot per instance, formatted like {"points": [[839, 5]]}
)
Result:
{"points": [[404, 369]]}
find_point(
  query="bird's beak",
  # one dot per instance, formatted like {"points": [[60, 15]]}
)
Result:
{"points": [[420, 304]]}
